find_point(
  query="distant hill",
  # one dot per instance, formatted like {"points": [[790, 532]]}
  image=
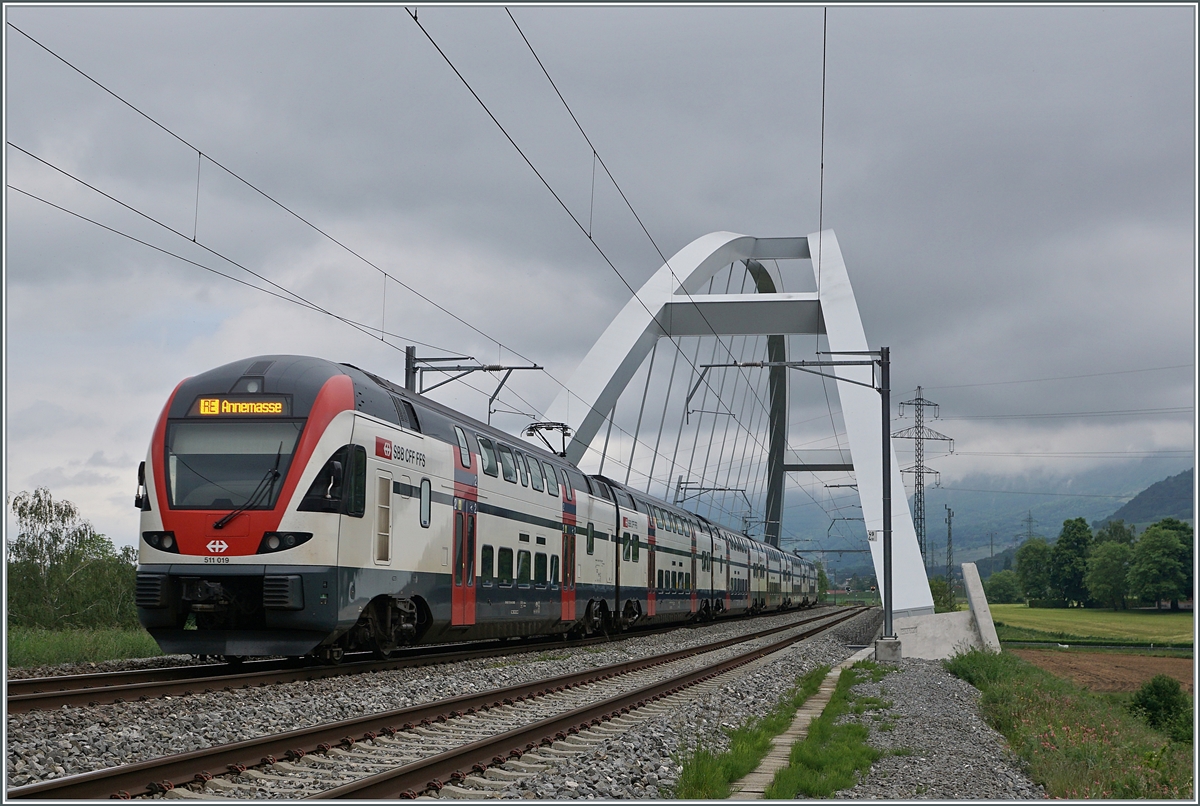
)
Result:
{"points": [[1169, 498]]}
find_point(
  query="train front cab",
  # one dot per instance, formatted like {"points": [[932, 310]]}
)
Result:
{"points": [[214, 579]]}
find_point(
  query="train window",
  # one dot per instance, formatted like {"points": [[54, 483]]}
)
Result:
{"points": [[637, 549], [554, 570], [487, 456], [426, 500], [541, 541], [507, 465], [524, 538], [674, 579], [325, 492], [591, 539], [383, 519], [522, 470], [687, 581], [464, 448], [535, 474], [552, 480], [625, 547], [660, 573], [486, 566], [539, 569], [523, 568], [602, 490], [504, 565]]}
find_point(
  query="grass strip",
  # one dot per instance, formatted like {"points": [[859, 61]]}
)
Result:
{"points": [[1077, 744], [28, 647], [829, 757], [707, 775], [1010, 634]]}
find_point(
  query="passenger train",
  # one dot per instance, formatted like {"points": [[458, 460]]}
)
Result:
{"points": [[294, 506]]}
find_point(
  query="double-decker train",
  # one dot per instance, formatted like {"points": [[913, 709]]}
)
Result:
{"points": [[294, 506]]}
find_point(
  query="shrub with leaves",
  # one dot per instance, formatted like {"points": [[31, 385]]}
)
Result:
{"points": [[1162, 702]]}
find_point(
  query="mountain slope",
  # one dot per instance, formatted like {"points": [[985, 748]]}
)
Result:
{"points": [[1169, 498]]}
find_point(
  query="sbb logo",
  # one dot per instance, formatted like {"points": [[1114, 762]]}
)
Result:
{"points": [[383, 447]]}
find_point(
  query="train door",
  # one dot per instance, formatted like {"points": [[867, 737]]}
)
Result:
{"points": [[651, 563], [692, 583], [728, 573], [568, 569], [383, 518], [462, 591]]}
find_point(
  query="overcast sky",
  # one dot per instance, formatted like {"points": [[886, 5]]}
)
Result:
{"points": [[1013, 189]]}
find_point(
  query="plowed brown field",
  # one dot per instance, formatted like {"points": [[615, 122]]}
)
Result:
{"points": [[1108, 671]]}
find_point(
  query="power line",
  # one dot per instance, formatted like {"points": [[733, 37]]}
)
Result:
{"points": [[1163, 454], [270, 198], [1065, 377], [1112, 413], [264, 194], [1021, 492], [596, 156], [567, 210]]}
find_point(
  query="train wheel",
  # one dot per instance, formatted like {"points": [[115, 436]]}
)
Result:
{"points": [[232, 660]]}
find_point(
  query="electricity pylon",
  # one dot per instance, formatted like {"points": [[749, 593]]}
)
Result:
{"points": [[919, 433]]}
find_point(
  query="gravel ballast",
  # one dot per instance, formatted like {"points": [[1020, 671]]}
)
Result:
{"points": [[954, 754]]}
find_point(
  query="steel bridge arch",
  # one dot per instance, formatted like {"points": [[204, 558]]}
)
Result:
{"points": [[670, 304]]}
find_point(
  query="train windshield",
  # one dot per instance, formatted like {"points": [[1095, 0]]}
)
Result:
{"points": [[223, 465]]}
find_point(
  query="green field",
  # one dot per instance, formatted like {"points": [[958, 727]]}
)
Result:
{"points": [[49, 648], [1137, 626]]}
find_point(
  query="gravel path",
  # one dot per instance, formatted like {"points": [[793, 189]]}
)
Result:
{"points": [[935, 743], [945, 750]]}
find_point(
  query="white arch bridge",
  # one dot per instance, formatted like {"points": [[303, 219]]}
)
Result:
{"points": [[678, 303]]}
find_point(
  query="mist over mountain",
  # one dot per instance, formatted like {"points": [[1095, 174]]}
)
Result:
{"points": [[1170, 498], [1000, 507]]}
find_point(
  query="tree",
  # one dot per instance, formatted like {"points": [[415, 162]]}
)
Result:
{"points": [[1156, 571], [1187, 544], [62, 573], [1033, 568], [1116, 532], [1003, 587], [1107, 577], [1068, 561], [822, 582], [943, 596]]}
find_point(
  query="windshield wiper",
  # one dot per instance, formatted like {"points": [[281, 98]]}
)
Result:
{"points": [[263, 487]]}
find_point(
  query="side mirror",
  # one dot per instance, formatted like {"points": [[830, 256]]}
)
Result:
{"points": [[335, 478], [139, 499]]}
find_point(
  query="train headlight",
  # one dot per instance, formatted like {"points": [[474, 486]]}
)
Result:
{"points": [[163, 541], [280, 541]]}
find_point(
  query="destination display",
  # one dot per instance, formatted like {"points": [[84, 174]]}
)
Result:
{"points": [[240, 406]]}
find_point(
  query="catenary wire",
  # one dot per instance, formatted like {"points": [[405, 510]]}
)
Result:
{"points": [[294, 214]]}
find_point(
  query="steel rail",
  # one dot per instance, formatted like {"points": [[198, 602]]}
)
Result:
{"points": [[426, 774], [51, 693], [168, 771]]}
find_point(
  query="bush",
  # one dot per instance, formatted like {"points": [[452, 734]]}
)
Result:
{"points": [[1162, 702], [1003, 587]]}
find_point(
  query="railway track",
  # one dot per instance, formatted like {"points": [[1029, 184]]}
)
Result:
{"points": [[484, 737], [50, 693]]}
